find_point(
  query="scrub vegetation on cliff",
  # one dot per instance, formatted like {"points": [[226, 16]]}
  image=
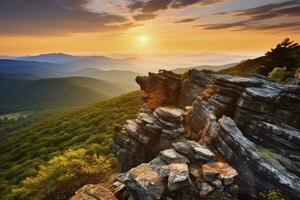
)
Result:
{"points": [[89, 128]]}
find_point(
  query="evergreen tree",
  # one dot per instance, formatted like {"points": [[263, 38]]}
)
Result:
{"points": [[286, 54]]}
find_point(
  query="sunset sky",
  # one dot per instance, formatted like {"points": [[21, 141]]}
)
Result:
{"points": [[146, 26]]}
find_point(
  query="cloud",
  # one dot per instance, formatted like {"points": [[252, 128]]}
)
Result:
{"points": [[54, 17], [289, 8], [144, 16], [279, 16], [186, 20], [157, 5], [244, 25]]}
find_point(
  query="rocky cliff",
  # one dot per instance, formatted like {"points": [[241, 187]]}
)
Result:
{"points": [[208, 136]]}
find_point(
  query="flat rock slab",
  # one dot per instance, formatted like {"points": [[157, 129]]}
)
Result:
{"points": [[170, 113], [93, 192], [146, 118], [243, 81], [145, 181], [171, 156], [195, 150], [201, 151], [265, 93], [218, 170]]}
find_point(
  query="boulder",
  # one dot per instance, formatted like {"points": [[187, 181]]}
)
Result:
{"points": [[178, 175], [93, 192], [219, 170], [145, 182]]}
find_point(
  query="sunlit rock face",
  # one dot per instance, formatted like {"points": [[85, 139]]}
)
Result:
{"points": [[202, 136], [167, 88], [93, 192]]}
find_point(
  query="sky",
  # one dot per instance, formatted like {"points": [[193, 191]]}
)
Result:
{"points": [[95, 27]]}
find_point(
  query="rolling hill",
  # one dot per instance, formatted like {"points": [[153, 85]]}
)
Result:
{"points": [[71, 91], [89, 127], [118, 76]]}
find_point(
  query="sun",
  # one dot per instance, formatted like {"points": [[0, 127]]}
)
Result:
{"points": [[143, 39]]}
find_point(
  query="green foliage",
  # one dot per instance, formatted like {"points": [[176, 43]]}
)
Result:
{"points": [[19, 95], [272, 195], [89, 127], [63, 175], [279, 74]]}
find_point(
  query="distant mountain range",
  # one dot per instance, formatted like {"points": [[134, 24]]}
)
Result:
{"points": [[60, 79], [201, 67], [141, 63], [29, 94], [81, 62]]}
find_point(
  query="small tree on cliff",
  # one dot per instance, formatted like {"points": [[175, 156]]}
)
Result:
{"points": [[63, 175], [285, 54]]}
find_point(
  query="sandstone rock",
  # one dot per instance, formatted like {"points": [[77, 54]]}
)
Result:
{"points": [[145, 182], [118, 188], [146, 117], [220, 170], [93, 192], [171, 156], [193, 82], [160, 89], [169, 114], [178, 175]]}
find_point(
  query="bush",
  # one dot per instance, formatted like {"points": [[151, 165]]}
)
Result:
{"points": [[279, 74], [63, 175], [272, 195]]}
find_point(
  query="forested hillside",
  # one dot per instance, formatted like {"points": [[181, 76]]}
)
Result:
{"points": [[89, 128], [19, 95]]}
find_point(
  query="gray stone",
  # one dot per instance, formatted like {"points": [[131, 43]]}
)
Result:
{"points": [[171, 156], [182, 147], [178, 177], [146, 182]]}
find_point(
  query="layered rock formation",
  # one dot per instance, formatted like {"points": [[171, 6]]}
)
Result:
{"points": [[201, 136]]}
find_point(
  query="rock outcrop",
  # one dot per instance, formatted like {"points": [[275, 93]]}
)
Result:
{"points": [[94, 192], [205, 136], [167, 88]]}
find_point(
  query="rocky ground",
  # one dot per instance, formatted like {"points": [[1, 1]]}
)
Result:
{"points": [[207, 136]]}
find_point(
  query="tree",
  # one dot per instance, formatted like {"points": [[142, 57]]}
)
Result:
{"points": [[286, 54], [63, 175]]}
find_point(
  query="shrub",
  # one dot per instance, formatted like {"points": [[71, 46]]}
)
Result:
{"points": [[63, 175], [279, 74], [272, 195]]}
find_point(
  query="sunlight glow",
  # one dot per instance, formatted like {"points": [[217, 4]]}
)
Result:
{"points": [[143, 39]]}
